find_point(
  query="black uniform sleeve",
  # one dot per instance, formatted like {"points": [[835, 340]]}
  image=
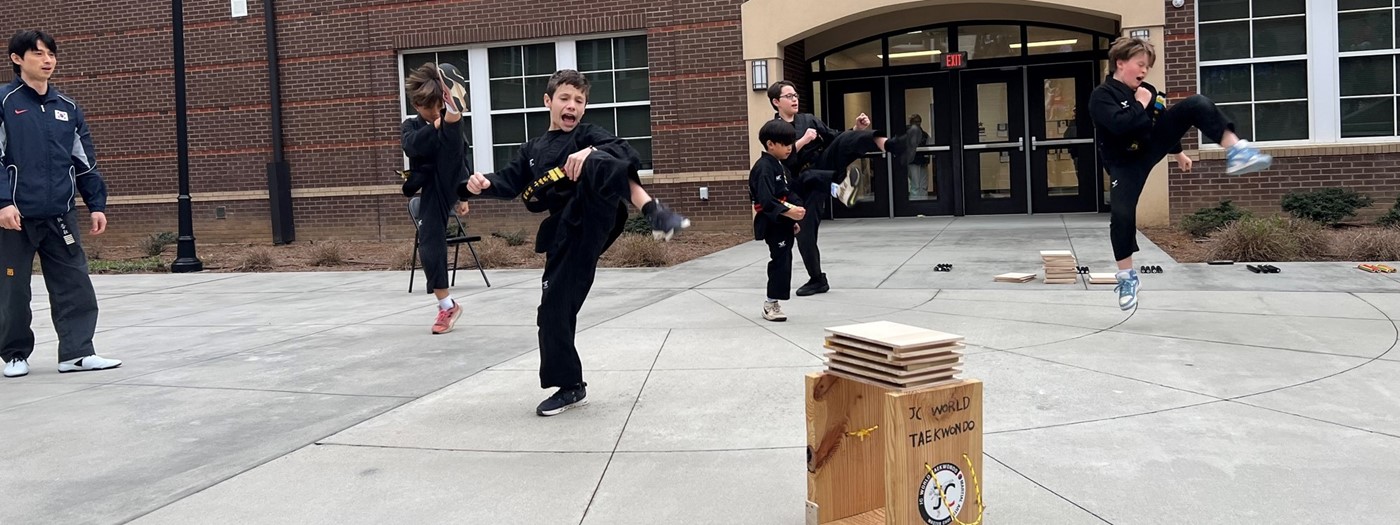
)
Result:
{"points": [[5, 200], [509, 182], [601, 140], [1106, 110]]}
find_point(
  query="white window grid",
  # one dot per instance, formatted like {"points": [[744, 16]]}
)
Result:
{"points": [[483, 144], [1254, 101], [1395, 89]]}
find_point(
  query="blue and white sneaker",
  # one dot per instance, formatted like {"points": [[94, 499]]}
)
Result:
{"points": [[1127, 289], [1243, 158]]}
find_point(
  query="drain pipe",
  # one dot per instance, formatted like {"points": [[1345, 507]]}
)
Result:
{"points": [[279, 176]]}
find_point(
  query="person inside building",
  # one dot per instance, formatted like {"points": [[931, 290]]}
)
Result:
{"points": [[49, 158], [819, 162], [436, 149], [777, 211], [1136, 130], [584, 177]]}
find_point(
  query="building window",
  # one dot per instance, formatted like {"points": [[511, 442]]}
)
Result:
{"points": [[1366, 68], [508, 94], [619, 93], [518, 75], [1253, 59], [415, 60]]}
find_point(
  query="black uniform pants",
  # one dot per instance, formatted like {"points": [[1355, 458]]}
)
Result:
{"points": [[72, 301], [583, 232], [814, 185], [1127, 179], [779, 238], [432, 248]]}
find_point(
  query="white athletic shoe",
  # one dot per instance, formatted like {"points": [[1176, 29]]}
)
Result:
{"points": [[89, 363], [16, 368]]}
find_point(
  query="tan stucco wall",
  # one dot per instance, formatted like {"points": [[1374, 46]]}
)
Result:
{"points": [[770, 25]]}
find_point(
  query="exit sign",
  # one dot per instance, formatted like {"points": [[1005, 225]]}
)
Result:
{"points": [[955, 60]]}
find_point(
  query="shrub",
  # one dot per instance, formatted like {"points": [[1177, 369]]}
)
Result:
{"points": [[1207, 220], [258, 258], [637, 223], [327, 254], [1327, 206], [1370, 244], [633, 250], [1265, 239], [493, 253], [516, 238], [1391, 218], [154, 244]]}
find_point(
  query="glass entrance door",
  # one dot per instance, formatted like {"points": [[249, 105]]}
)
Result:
{"points": [[846, 100], [922, 178], [1063, 161], [993, 141]]}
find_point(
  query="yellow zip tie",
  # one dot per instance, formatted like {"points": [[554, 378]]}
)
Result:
{"points": [[863, 432], [944, 498]]}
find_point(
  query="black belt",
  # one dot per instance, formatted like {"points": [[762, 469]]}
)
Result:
{"points": [[530, 195]]}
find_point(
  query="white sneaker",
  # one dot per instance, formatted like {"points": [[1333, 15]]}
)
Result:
{"points": [[773, 312], [17, 367], [89, 363]]}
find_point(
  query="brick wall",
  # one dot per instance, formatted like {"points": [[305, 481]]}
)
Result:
{"points": [[1206, 185], [340, 103]]}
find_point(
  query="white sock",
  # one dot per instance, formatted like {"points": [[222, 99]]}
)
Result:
{"points": [[774, 301], [445, 303], [834, 189]]}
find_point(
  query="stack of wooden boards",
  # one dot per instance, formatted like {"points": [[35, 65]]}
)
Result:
{"points": [[1060, 266], [894, 355]]}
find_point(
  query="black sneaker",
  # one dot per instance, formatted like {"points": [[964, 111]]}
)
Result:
{"points": [[564, 399], [664, 222], [813, 287], [895, 146]]}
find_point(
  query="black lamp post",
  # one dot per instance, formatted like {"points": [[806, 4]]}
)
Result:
{"points": [[185, 259]]}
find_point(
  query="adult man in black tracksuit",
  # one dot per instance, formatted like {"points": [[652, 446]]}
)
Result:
{"points": [[584, 177], [48, 158], [819, 162], [1136, 130]]}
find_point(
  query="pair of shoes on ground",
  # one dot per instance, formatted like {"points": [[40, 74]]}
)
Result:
{"points": [[1149, 269], [943, 267], [20, 367], [1263, 268], [563, 399]]}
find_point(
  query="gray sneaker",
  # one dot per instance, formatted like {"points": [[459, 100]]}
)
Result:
{"points": [[773, 312]]}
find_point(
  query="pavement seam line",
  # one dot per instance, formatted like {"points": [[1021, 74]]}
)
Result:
{"points": [[623, 432], [1047, 489], [1310, 418], [1396, 342]]}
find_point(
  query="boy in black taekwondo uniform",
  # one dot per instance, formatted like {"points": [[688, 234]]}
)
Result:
{"points": [[819, 160], [1136, 130], [584, 177], [436, 147], [777, 211], [48, 158]]}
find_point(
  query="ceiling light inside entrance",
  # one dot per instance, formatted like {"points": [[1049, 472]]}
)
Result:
{"points": [[908, 54], [1048, 43]]}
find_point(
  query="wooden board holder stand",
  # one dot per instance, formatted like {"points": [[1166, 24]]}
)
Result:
{"points": [[878, 455]]}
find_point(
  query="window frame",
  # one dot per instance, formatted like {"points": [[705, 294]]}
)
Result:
{"points": [[1324, 79], [1309, 62], [483, 139]]}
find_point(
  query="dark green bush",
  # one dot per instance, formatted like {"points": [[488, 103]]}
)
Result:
{"points": [[1207, 220], [1327, 206], [637, 223]]}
